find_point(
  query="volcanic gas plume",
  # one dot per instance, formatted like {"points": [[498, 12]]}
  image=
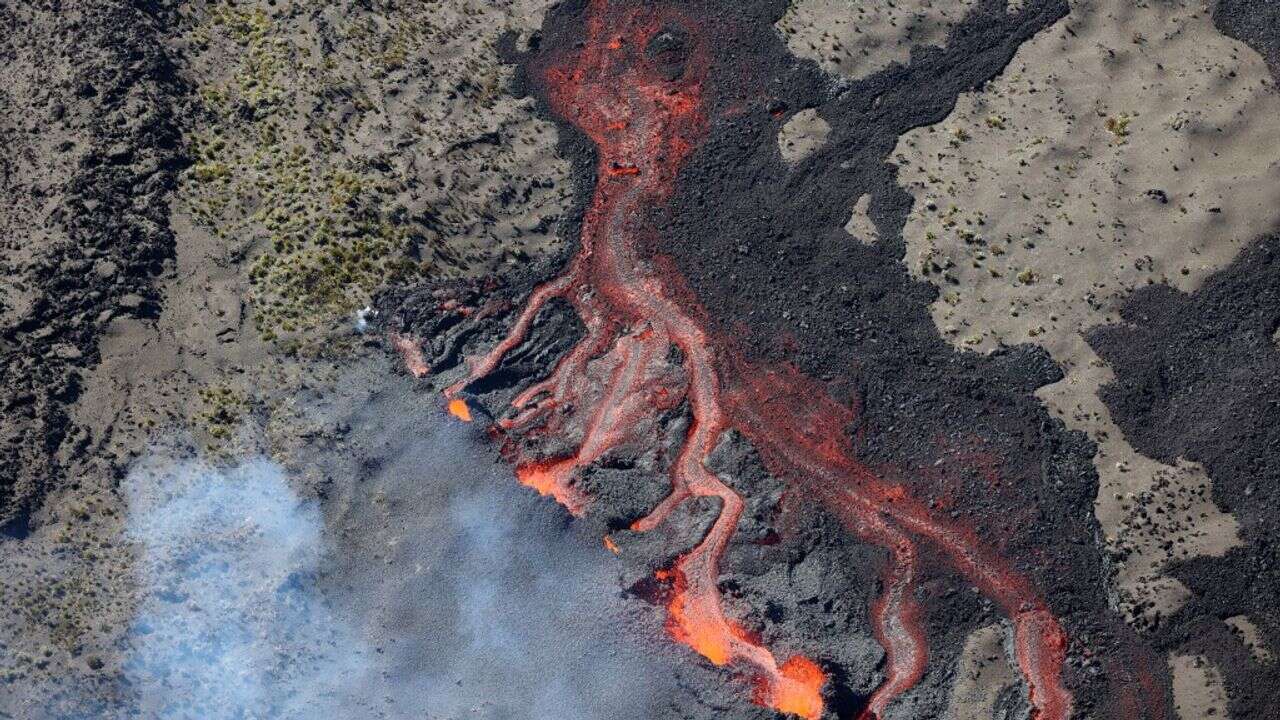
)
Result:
{"points": [[635, 86]]}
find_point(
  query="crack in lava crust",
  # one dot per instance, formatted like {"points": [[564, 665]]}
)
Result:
{"points": [[635, 87]]}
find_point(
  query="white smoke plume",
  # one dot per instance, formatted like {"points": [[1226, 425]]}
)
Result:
{"points": [[231, 624], [453, 595]]}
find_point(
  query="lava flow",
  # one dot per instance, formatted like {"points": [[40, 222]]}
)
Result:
{"points": [[635, 86]]}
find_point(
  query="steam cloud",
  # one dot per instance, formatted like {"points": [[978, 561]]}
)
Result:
{"points": [[532, 637], [493, 608], [231, 625]]}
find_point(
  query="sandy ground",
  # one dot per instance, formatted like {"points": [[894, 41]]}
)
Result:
{"points": [[854, 40], [983, 675], [804, 133], [1130, 145], [292, 127]]}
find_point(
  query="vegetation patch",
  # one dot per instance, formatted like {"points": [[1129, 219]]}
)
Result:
{"points": [[222, 411], [315, 220]]}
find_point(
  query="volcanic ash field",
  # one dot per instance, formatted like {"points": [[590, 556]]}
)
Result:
{"points": [[687, 359]]}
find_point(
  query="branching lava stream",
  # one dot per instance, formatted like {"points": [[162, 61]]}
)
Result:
{"points": [[635, 88]]}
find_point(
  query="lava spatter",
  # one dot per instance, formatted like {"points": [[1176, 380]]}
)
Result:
{"points": [[635, 87]]}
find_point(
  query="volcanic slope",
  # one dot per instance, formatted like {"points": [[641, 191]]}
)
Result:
{"points": [[202, 198], [1048, 196], [972, 476]]}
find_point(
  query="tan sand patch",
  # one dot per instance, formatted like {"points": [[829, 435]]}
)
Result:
{"points": [[857, 39], [1252, 638], [1198, 689], [982, 673], [1128, 145], [860, 225], [802, 135]]}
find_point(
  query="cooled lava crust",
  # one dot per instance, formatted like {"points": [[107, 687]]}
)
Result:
{"points": [[715, 353]]}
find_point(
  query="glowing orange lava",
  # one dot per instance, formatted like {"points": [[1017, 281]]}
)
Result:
{"points": [[605, 392], [703, 629], [459, 409], [551, 478], [802, 695], [694, 619], [798, 430]]}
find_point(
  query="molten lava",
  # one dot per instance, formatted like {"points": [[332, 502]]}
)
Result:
{"points": [[802, 696], [635, 86], [610, 545], [459, 409], [552, 478]]}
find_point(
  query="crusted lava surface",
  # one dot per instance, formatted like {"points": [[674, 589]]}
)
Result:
{"points": [[716, 363]]}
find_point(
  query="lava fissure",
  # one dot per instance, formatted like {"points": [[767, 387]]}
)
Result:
{"points": [[644, 118]]}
